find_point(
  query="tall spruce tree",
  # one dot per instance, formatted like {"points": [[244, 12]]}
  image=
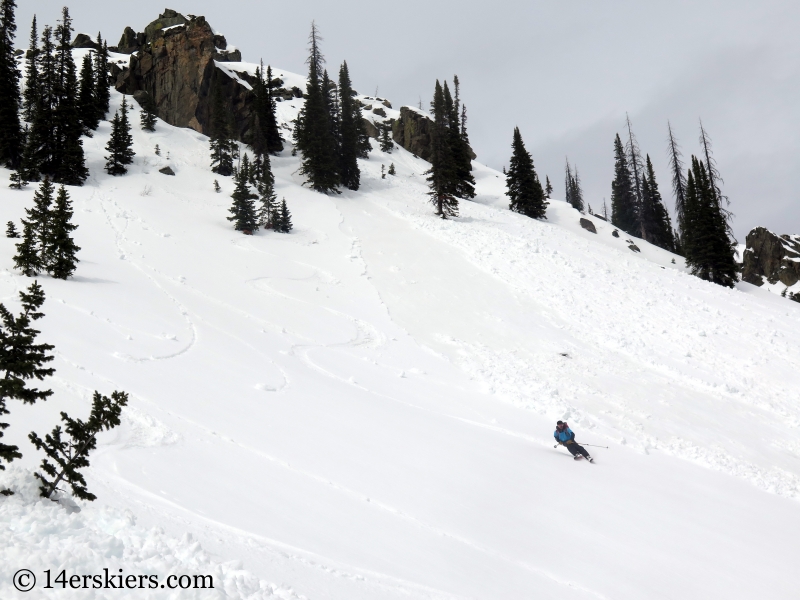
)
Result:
{"points": [[21, 360], [268, 201], [715, 179], [120, 143], [386, 143], [284, 220], [678, 176], [313, 131], [222, 146], [69, 162], [576, 194], [266, 136], [61, 251], [243, 210], [442, 173], [70, 455], [524, 188], [31, 92], [10, 99], [102, 80], [87, 104], [31, 257], [352, 128], [568, 187], [548, 189], [636, 166], [464, 182], [706, 244], [624, 208], [147, 113], [655, 222]]}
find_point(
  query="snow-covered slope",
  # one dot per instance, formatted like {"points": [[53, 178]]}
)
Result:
{"points": [[363, 409]]}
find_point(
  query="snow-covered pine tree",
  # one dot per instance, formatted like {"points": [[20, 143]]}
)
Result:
{"points": [[102, 80], [624, 213], [392, 170], [442, 173], [576, 192], [459, 141], [243, 209], [548, 189], [61, 251], [21, 360], [312, 131], [220, 141], [72, 454], [87, 104], [17, 180], [11, 230], [10, 99], [217, 188], [522, 183]]}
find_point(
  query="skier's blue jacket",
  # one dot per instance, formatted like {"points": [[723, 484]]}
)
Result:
{"points": [[565, 436]]}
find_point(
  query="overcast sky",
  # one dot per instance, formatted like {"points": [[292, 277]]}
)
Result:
{"points": [[565, 72]]}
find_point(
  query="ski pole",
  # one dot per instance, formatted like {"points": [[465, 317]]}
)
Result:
{"points": [[593, 446]]}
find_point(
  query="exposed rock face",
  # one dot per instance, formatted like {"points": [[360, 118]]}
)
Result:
{"points": [[771, 257], [413, 132], [166, 170], [588, 225], [174, 64], [84, 41], [372, 130], [634, 247]]}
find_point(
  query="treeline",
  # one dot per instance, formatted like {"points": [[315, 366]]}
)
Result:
{"points": [[703, 235]]}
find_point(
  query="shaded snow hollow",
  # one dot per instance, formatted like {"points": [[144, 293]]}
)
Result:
{"points": [[363, 409]]}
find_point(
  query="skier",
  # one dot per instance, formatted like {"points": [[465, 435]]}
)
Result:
{"points": [[565, 436]]}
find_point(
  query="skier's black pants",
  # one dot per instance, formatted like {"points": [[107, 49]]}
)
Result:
{"points": [[575, 449]]}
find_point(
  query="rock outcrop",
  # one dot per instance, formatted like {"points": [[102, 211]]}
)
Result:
{"points": [[588, 225], [175, 65], [771, 257], [413, 132]]}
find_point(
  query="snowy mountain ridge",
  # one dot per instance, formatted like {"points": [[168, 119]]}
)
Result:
{"points": [[364, 408]]}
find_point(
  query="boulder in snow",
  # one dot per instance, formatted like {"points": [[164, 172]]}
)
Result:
{"points": [[634, 247], [167, 170], [588, 225], [771, 257]]}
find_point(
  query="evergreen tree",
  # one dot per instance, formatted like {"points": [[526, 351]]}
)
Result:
{"points": [[18, 180], [69, 163], [87, 108], [548, 190], [70, 455], [524, 188], [624, 213], [266, 136], [708, 249], [40, 145], [331, 96], [678, 176], [636, 166], [441, 175], [352, 132], [458, 140], [243, 209], [21, 359], [60, 255], [119, 147], [216, 186], [10, 126], [147, 114], [31, 251], [392, 170], [655, 221], [221, 143], [102, 81], [313, 131], [387, 145], [266, 195], [11, 230], [285, 218], [715, 179], [31, 93], [576, 192], [568, 182]]}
